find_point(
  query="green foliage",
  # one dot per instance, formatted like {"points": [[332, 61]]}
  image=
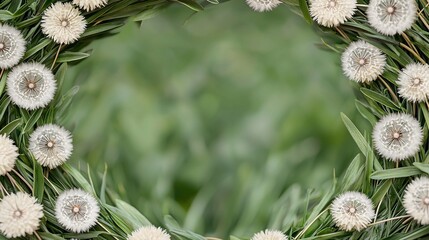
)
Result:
{"points": [[117, 218]]}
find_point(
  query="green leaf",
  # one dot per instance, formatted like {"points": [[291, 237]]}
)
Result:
{"points": [[396, 173], [383, 100], [88, 235], [72, 56], [353, 173], [175, 229], [33, 120], [5, 15], [30, 52], [411, 235], [102, 28], [422, 167], [11, 126], [425, 113], [5, 103], [50, 236], [84, 184], [145, 15], [39, 182], [363, 110], [3, 80], [356, 135], [135, 217], [381, 191], [304, 9], [191, 4]]}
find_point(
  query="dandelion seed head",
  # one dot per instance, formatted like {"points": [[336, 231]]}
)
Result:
{"points": [[31, 85], [352, 211], [12, 46], [8, 154], [89, 5], [149, 233], [362, 62], [51, 145], [76, 210], [20, 214], [397, 136], [263, 5], [269, 235], [390, 17], [63, 23], [331, 13], [413, 82], [416, 200]]}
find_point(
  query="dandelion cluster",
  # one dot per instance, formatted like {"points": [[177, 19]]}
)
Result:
{"points": [[352, 211], [149, 233], [8, 154], [51, 145], [263, 5], [76, 210], [362, 62], [12, 46], [31, 86], [20, 214], [331, 13], [269, 235], [416, 200], [63, 23], [397, 136], [390, 17]]}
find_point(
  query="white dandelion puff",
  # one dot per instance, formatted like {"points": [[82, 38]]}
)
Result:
{"points": [[89, 5], [31, 85], [416, 200], [12, 46], [331, 13], [51, 145], [149, 233], [20, 214], [76, 210], [8, 154], [263, 5], [390, 17], [397, 136], [63, 23], [413, 82], [352, 211], [269, 235], [362, 62]]}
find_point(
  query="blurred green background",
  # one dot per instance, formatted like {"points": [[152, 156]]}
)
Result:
{"points": [[212, 117]]}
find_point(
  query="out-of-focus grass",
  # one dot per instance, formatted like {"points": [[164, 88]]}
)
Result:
{"points": [[211, 118]]}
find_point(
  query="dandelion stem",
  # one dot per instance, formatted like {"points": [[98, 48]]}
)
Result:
{"points": [[343, 34], [413, 52], [37, 235], [56, 56], [387, 220], [102, 226], [23, 179], [300, 234], [410, 44], [3, 190], [1, 73], [390, 90], [14, 183]]}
